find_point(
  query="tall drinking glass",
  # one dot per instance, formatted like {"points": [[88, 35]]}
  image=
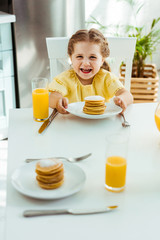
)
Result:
{"points": [[116, 162], [40, 99], [157, 116]]}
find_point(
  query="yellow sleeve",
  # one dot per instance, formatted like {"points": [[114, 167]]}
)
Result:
{"points": [[113, 84], [58, 86]]}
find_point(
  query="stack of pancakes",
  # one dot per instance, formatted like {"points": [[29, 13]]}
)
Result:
{"points": [[94, 105], [50, 173]]}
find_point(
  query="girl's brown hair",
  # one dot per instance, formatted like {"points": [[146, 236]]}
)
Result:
{"points": [[93, 36]]}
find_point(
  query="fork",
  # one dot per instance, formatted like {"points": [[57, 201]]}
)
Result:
{"points": [[71, 159], [125, 123]]}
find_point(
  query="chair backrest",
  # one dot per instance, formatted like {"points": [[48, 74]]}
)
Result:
{"points": [[121, 50]]}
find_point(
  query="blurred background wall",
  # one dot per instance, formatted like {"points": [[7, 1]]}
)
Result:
{"points": [[116, 12]]}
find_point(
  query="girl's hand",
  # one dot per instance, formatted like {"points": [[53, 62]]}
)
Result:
{"points": [[123, 98], [56, 100], [120, 102], [62, 105]]}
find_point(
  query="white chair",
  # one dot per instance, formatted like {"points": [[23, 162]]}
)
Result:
{"points": [[121, 49]]}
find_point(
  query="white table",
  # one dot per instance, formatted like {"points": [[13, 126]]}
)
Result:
{"points": [[138, 215]]}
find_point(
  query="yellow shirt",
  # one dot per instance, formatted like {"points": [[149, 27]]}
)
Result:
{"points": [[67, 83]]}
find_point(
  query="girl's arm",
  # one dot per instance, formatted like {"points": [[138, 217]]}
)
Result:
{"points": [[56, 100], [123, 98]]}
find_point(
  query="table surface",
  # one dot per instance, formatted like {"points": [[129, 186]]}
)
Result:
{"points": [[138, 214]]}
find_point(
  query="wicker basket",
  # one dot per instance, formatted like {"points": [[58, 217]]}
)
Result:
{"points": [[143, 89]]}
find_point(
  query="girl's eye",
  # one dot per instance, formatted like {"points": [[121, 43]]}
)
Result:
{"points": [[79, 56], [92, 57]]}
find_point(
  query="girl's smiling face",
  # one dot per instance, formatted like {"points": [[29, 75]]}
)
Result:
{"points": [[86, 61]]}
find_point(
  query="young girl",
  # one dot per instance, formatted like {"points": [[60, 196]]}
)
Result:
{"points": [[87, 50]]}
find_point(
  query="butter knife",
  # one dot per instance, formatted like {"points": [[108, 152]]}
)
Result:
{"points": [[48, 121], [36, 213]]}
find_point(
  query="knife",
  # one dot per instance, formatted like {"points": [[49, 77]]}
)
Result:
{"points": [[48, 121], [35, 213]]}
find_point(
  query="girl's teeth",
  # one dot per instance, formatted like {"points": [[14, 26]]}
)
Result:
{"points": [[86, 70]]}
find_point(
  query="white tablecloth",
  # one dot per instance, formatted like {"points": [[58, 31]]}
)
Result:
{"points": [[138, 215]]}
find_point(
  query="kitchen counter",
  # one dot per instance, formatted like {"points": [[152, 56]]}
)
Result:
{"points": [[7, 18], [7, 80]]}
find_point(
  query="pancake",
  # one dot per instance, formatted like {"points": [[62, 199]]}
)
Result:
{"points": [[94, 105], [50, 173], [50, 186]]}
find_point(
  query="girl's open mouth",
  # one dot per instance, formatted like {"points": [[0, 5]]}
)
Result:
{"points": [[85, 70]]}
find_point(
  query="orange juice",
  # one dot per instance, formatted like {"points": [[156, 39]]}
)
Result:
{"points": [[115, 173], [157, 119], [40, 99]]}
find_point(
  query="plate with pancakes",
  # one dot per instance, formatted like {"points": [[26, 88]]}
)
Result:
{"points": [[94, 107], [45, 180]]}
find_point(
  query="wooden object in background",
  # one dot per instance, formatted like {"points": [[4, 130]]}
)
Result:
{"points": [[143, 89]]}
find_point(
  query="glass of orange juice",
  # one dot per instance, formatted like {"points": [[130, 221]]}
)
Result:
{"points": [[40, 99], [157, 116], [116, 162]]}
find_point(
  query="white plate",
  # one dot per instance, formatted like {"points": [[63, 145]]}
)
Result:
{"points": [[24, 181], [77, 109]]}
